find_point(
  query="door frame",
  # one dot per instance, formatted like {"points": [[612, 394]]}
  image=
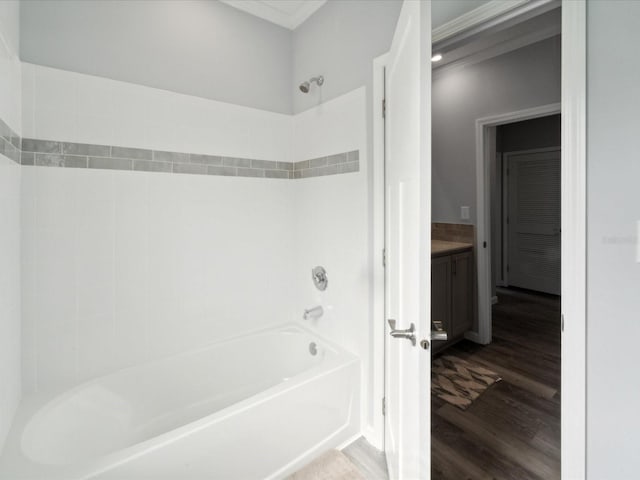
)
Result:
{"points": [[486, 150], [573, 126], [504, 201], [374, 432], [573, 227]]}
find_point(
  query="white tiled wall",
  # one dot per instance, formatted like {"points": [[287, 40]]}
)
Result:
{"points": [[68, 106], [121, 267], [331, 226], [10, 389]]}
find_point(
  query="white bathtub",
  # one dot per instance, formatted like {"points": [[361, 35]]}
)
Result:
{"points": [[252, 407]]}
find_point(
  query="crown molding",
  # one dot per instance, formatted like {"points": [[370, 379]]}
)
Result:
{"points": [[498, 49], [475, 17], [265, 10]]}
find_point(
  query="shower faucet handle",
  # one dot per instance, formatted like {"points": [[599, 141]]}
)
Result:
{"points": [[315, 312]]}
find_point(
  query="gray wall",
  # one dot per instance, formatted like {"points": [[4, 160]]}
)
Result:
{"points": [[613, 274], [340, 41], [202, 48], [520, 79]]}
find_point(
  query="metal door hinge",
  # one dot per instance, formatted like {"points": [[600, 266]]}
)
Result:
{"points": [[384, 406], [384, 108], [484, 244], [562, 323], [384, 258]]}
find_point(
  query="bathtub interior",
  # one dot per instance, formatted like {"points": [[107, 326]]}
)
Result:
{"points": [[140, 403], [96, 422]]}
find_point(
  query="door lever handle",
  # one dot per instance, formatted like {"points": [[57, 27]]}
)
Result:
{"points": [[437, 332], [408, 333]]}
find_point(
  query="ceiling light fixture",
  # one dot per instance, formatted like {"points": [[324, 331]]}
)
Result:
{"points": [[436, 57]]}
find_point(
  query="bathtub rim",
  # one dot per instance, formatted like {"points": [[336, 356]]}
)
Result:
{"points": [[37, 402]]}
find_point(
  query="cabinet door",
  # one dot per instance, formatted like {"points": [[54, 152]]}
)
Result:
{"points": [[441, 294], [461, 293]]}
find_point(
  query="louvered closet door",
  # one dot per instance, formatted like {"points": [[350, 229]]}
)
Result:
{"points": [[534, 221]]}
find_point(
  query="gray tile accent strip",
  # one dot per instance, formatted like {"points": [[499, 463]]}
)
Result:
{"points": [[277, 174], [250, 172], [55, 160], [134, 153], [225, 171], [174, 157], [317, 162], [151, 166], [10, 143], [264, 164], [51, 153], [205, 159], [28, 158], [236, 162], [110, 163], [86, 149], [41, 146], [189, 168]]}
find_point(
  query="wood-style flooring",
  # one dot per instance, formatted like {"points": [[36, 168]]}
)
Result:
{"points": [[512, 431], [369, 461]]}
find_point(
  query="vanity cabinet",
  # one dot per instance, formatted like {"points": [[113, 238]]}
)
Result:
{"points": [[452, 294]]}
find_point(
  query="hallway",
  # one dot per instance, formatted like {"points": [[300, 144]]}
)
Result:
{"points": [[512, 431]]}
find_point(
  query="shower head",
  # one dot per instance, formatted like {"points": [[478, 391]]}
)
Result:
{"points": [[305, 86]]}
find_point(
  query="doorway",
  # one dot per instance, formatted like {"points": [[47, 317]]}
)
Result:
{"points": [[573, 228], [496, 389]]}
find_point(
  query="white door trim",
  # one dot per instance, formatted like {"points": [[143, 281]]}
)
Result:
{"points": [[574, 239], [485, 149], [374, 431], [573, 225]]}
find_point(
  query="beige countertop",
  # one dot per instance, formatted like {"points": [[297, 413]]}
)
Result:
{"points": [[442, 247]]}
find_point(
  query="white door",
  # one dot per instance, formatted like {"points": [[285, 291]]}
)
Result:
{"points": [[534, 221], [407, 242]]}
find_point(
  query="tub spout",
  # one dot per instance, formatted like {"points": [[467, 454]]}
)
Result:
{"points": [[315, 312]]}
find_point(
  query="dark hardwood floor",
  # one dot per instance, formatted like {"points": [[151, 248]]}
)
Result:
{"points": [[512, 431]]}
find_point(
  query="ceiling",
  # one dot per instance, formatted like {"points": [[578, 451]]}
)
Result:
{"points": [[286, 13]]}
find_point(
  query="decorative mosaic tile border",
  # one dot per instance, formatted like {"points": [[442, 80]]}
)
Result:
{"points": [[79, 155]]}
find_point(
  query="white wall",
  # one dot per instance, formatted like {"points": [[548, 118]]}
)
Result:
{"points": [[196, 47], [120, 267], [521, 79], [331, 228], [10, 334], [613, 268]]}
